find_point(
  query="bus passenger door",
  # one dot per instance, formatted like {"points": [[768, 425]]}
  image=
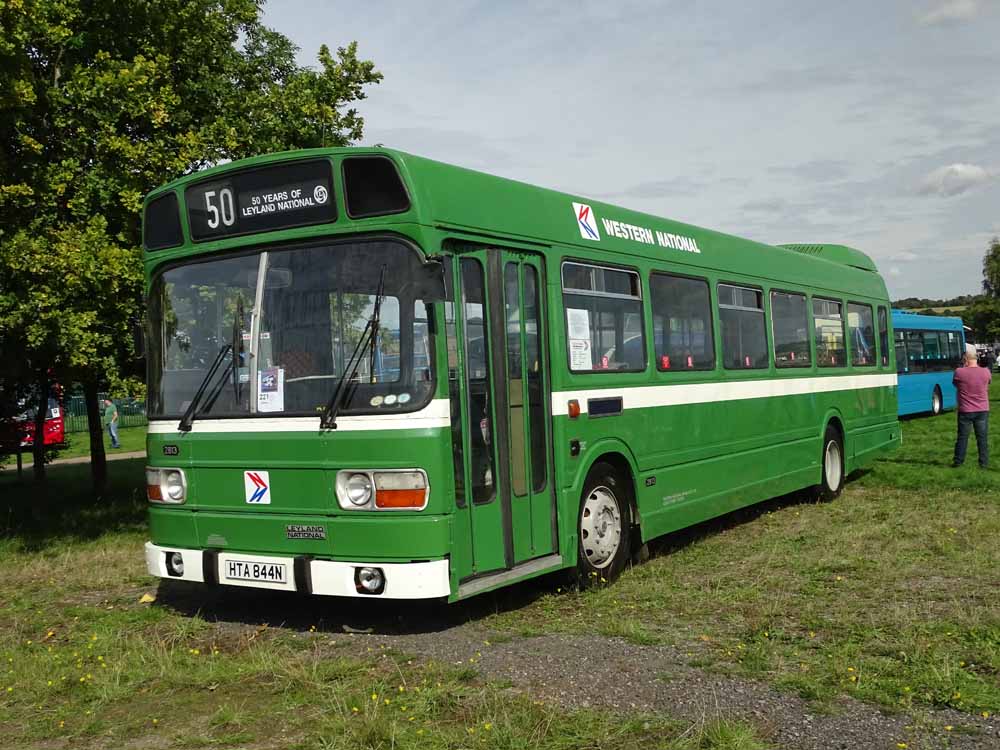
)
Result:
{"points": [[499, 383], [527, 422]]}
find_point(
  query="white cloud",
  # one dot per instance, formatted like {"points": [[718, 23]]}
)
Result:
{"points": [[954, 179], [894, 271], [904, 256], [950, 11]]}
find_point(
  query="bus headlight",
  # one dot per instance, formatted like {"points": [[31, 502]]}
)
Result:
{"points": [[359, 489], [369, 580], [166, 485], [174, 484], [382, 489]]}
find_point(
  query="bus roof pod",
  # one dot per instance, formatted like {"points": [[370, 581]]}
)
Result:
{"points": [[842, 254]]}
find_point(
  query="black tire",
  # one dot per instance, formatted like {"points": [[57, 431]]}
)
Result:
{"points": [[832, 462], [604, 525], [936, 402]]}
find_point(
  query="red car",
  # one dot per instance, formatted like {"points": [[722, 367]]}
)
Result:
{"points": [[21, 429]]}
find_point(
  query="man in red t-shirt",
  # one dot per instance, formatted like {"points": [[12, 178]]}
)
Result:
{"points": [[972, 382]]}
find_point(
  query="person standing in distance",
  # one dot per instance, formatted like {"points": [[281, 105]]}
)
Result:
{"points": [[972, 383], [111, 421]]}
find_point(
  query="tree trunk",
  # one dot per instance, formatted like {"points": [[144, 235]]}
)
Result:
{"points": [[41, 412], [98, 458]]}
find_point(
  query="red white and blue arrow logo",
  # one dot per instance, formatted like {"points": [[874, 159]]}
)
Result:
{"points": [[258, 487], [587, 222]]}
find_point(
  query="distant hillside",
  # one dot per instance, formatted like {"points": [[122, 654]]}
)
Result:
{"points": [[935, 306]]}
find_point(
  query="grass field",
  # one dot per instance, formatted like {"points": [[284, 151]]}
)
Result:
{"points": [[78, 444], [889, 594]]}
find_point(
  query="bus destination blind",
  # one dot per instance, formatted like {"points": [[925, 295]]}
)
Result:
{"points": [[261, 200]]}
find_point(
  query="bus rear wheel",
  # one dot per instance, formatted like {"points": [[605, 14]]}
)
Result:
{"points": [[832, 483], [936, 402], [603, 527]]}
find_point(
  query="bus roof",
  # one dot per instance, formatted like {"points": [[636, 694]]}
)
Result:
{"points": [[903, 319], [448, 197]]}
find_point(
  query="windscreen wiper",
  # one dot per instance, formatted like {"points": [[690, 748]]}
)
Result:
{"points": [[185, 424], [328, 421]]}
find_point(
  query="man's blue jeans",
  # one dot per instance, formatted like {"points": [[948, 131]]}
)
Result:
{"points": [[113, 432], [967, 422]]}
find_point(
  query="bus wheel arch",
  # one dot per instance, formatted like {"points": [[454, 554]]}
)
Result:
{"points": [[833, 461], [609, 489], [937, 401]]}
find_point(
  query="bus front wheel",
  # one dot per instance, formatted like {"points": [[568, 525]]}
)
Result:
{"points": [[832, 482], [603, 527], [936, 402]]}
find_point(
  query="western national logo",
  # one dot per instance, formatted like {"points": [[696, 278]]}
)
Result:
{"points": [[586, 221]]}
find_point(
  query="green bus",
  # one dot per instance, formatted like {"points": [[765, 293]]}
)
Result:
{"points": [[372, 374]]}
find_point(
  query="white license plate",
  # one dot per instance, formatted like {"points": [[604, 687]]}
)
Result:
{"points": [[265, 572]]}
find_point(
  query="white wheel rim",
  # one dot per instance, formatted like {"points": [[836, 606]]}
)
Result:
{"points": [[936, 403], [600, 527], [832, 464]]}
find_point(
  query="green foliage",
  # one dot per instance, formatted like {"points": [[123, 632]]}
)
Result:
{"points": [[991, 269], [983, 317], [100, 102], [923, 303]]}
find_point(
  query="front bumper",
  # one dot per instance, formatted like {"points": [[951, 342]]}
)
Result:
{"points": [[418, 580]]}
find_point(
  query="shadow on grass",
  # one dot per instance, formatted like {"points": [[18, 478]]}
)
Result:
{"points": [[65, 508], [299, 612]]}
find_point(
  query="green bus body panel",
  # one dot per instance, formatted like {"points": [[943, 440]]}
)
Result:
{"points": [[689, 461]]}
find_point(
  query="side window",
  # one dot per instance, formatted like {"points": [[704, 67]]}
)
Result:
{"points": [[883, 336], [790, 328], [477, 372], [902, 364], [828, 321], [741, 322], [604, 329], [862, 330], [682, 323], [932, 351], [458, 457], [915, 351], [954, 349]]}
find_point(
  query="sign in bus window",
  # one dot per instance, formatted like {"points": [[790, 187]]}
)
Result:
{"points": [[604, 328], [263, 199]]}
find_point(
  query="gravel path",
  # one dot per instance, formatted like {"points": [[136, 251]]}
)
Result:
{"points": [[599, 672], [576, 671]]}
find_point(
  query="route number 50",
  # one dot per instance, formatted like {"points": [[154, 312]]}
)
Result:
{"points": [[224, 212]]}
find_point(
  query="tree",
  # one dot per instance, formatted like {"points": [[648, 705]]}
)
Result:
{"points": [[983, 317], [102, 100], [991, 269]]}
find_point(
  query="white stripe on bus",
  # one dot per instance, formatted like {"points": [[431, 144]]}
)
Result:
{"points": [[435, 415], [678, 394]]}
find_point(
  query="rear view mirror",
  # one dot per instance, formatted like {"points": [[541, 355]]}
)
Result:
{"points": [[138, 339], [432, 282]]}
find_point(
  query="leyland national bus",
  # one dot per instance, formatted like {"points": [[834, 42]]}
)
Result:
{"points": [[376, 375], [928, 349]]}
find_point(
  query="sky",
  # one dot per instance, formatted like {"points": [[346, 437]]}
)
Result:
{"points": [[871, 124]]}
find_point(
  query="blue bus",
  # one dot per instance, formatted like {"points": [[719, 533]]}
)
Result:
{"points": [[928, 349]]}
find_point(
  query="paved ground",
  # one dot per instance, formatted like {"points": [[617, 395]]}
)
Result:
{"points": [[585, 671], [112, 455]]}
